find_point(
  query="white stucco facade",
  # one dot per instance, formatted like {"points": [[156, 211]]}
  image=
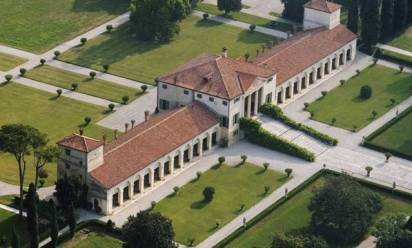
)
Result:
{"points": [[314, 18]]}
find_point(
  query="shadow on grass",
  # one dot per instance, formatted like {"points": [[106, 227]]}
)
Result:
{"points": [[260, 172], [207, 24], [247, 37], [216, 166], [101, 5], [198, 204]]}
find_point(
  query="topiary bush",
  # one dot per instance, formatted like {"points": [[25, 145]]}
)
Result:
{"points": [[252, 27], [109, 28], [125, 99], [208, 193], [8, 78], [83, 40], [205, 16], [366, 92], [22, 71], [42, 61]]}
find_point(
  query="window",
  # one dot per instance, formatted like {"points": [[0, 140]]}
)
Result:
{"points": [[224, 103], [67, 152], [224, 122], [164, 86], [199, 95], [236, 119], [211, 99], [163, 104], [186, 92], [237, 99]]}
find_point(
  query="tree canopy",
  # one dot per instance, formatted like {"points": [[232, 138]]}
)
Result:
{"points": [[392, 231], [293, 9], [148, 229], [157, 20], [298, 241], [342, 210], [229, 5]]}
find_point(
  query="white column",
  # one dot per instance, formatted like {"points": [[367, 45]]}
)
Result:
{"points": [[109, 204], [330, 65], [181, 158], [344, 56], [172, 164], [141, 183], [209, 141], [161, 171], [200, 147], [322, 70], [291, 89], [299, 84], [190, 153], [283, 94], [249, 105], [337, 61], [256, 102]]}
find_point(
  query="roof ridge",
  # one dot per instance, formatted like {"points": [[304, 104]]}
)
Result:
{"points": [[192, 66], [144, 131], [220, 74]]}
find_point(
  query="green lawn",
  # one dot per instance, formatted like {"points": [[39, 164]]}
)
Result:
{"points": [[294, 214], [56, 117], [9, 220], [398, 137], [244, 17], [344, 103], [92, 238], [97, 87], [42, 24], [403, 41], [144, 61], [8, 62], [194, 219]]}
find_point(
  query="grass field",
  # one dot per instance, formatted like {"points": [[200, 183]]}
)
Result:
{"points": [[194, 219], [9, 220], [141, 60], [403, 41], [8, 62], [345, 104], [92, 238], [56, 117], [96, 87], [294, 214], [398, 137], [244, 17], [42, 24]]}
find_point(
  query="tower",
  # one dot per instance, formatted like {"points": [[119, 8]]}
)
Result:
{"points": [[321, 13]]}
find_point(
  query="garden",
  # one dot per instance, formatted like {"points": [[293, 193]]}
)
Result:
{"points": [[395, 136], [403, 41], [293, 216], [84, 84], [93, 237], [235, 189], [55, 116], [8, 220], [362, 99], [8, 62], [139, 60], [39, 25]]}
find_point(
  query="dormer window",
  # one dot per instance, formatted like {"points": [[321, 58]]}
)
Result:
{"points": [[67, 152], [211, 99]]}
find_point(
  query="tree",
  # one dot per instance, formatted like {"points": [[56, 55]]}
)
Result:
{"points": [[68, 192], [370, 23], [15, 239], [353, 16], [125, 99], [298, 241], [288, 171], [229, 5], [243, 158], [54, 227], [366, 92], [342, 210], [71, 219], [43, 155], [32, 200], [388, 155], [293, 9], [368, 170], [156, 20], [391, 232], [401, 13], [387, 18], [148, 229], [221, 160], [18, 140], [208, 193]]}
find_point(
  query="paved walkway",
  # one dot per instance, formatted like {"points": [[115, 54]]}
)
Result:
{"points": [[394, 49], [243, 25]]}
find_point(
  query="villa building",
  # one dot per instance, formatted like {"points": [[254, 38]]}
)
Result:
{"points": [[200, 105]]}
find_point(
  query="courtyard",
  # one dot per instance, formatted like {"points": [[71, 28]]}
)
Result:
{"points": [[194, 219], [57, 117], [46, 23], [293, 215], [349, 110], [139, 61]]}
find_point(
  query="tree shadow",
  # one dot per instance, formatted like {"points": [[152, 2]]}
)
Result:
{"points": [[261, 171], [198, 204], [247, 37], [207, 24], [108, 6], [359, 99]]}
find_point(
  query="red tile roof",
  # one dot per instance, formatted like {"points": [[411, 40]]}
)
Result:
{"points": [[80, 143], [217, 75], [150, 141], [304, 49], [323, 5]]}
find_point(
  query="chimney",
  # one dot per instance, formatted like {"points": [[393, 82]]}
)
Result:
{"points": [[126, 127], [224, 52], [115, 133], [104, 139], [146, 115], [132, 122], [81, 131]]}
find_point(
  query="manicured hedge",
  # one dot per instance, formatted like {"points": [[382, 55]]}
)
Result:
{"points": [[276, 113], [257, 135], [394, 57]]}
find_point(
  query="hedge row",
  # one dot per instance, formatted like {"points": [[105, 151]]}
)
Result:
{"points": [[394, 57], [276, 113], [257, 135]]}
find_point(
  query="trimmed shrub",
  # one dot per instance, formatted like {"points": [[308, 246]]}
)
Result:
{"points": [[59, 92], [342, 82], [393, 101], [276, 113], [143, 88], [8, 78], [109, 28], [324, 93], [106, 67], [306, 105], [252, 27], [83, 40], [374, 114], [176, 189], [244, 158], [153, 204], [208, 193], [111, 107], [366, 92], [92, 74], [266, 165], [87, 120], [368, 170], [56, 54], [22, 71], [75, 86], [205, 16], [288, 171], [198, 175], [255, 134], [221, 160], [42, 61], [125, 99], [401, 68], [110, 224], [267, 188]]}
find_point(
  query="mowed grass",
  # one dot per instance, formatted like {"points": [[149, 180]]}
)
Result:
{"points": [[345, 104], [8, 221], [294, 215], [96, 87], [403, 41], [398, 137], [56, 117], [192, 218], [92, 238], [42, 24], [145, 61], [8, 62]]}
